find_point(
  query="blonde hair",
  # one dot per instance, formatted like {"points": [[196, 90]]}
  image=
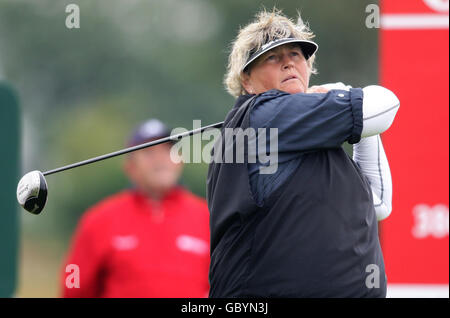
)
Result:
{"points": [[268, 26]]}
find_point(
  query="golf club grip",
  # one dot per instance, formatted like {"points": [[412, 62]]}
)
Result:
{"points": [[134, 148]]}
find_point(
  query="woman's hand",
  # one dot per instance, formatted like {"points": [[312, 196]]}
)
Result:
{"points": [[317, 89]]}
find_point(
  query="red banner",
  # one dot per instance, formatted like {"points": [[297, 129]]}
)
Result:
{"points": [[414, 63]]}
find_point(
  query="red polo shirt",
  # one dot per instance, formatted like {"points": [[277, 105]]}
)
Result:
{"points": [[131, 246]]}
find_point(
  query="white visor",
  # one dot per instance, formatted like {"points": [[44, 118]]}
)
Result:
{"points": [[308, 48]]}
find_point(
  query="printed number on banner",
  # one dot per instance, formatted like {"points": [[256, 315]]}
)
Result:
{"points": [[430, 221]]}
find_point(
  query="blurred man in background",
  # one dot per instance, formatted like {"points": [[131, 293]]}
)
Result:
{"points": [[148, 241]]}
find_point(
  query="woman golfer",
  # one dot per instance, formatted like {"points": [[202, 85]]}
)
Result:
{"points": [[309, 227]]}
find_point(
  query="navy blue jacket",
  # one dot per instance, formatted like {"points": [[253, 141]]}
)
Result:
{"points": [[305, 123], [310, 228]]}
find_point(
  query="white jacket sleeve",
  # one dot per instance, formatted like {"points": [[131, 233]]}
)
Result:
{"points": [[380, 106], [370, 156]]}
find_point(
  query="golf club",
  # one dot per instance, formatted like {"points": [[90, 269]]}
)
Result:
{"points": [[32, 188]]}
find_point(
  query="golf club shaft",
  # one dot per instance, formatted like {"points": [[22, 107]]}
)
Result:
{"points": [[134, 148]]}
